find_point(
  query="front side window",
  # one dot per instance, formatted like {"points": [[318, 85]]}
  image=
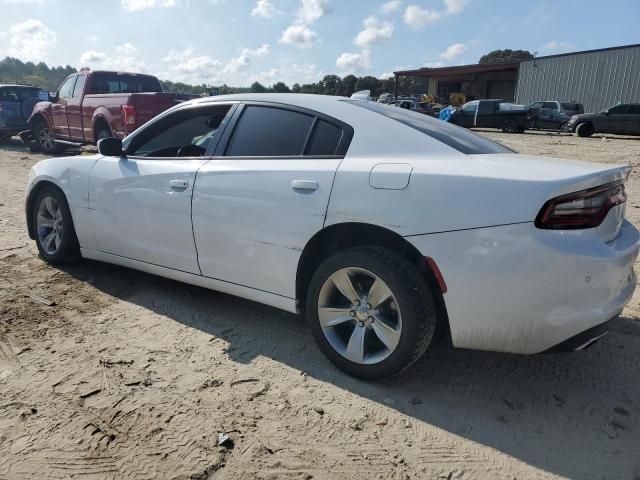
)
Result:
{"points": [[634, 109], [185, 133], [618, 110], [66, 88], [269, 132], [549, 105], [453, 136]]}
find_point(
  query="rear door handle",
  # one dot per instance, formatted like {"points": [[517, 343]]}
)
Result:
{"points": [[309, 185], [178, 184]]}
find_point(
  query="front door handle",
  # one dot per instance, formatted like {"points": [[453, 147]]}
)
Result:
{"points": [[309, 185], [178, 184]]}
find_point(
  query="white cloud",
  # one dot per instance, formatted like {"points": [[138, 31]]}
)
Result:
{"points": [[136, 5], [265, 9], [92, 38], [434, 64], [417, 17], [268, 77], [391, 7], [374, 31], [312, 10], [354, 62], [299, 36], [242, 62], [30, 40], [453, 51], [555, 46], [455, 6], [190, 68], [126, 58]]}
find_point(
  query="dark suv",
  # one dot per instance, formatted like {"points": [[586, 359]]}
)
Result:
{"points": [[16, 104], [553, 114], [623, 119]]}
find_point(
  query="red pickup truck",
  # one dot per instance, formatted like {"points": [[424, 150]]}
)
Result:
{"points": [[91, 105]]}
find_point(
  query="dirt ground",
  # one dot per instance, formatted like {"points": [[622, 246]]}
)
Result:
{"points": [[128, 375]]}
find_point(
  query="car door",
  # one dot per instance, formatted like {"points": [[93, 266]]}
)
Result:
{"points": [[548, 115], [74, 109], [465, 117], [634, 122], [59, 108], [141, 203], [534, 114], [486, 115], [265, 194], [615, 120]]}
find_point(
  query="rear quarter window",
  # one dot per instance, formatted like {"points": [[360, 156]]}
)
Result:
{"points": [[453, 136]]}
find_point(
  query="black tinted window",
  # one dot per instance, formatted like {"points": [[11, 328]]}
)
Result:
{"points": [[453, 136], [267, 131], [634, 109], [618, 110], [572, 107], [324, 140], [185, 133], [106, 82], [18, 93]]}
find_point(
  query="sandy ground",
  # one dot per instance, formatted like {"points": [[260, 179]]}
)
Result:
{"points": [[129, 375]]}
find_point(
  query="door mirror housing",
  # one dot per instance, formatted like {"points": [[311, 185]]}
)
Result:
{"points": [[111, 147], [53, 96]]}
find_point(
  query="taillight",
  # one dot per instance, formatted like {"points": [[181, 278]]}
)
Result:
{"points": [[129, 117], [584, 209]]}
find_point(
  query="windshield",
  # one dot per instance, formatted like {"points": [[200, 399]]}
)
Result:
{"points": [[453, 136], [112, 82]]}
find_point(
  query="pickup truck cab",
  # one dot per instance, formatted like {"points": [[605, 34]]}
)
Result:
{"points": [[553, 114], [92, 105], [16, 104], [492, 113]]}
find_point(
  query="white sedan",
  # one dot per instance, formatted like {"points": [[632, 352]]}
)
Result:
{"points": [[381, 225]]}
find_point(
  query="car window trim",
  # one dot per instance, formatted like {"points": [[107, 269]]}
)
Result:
{"points": [[341, 149], [215, 140]]}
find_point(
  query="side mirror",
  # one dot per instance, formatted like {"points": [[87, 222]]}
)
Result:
{"points": [[110, 147], [53, 96]]}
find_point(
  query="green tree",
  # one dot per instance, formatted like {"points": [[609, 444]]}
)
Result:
{"points": [[349, 85], [295, 88], [506, 56], [369, 83], [257, 87], [280, 87]]}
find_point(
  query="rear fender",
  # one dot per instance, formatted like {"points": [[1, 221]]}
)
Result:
{"points": [[101, 114]]}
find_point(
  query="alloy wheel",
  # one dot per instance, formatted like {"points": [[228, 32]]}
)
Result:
{"points": [[359, 316], [45, 139], [49, 225]]}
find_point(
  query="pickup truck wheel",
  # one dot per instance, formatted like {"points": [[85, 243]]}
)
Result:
{"points": [[585, 129], [371, 312], [509, 126], [45, 139]]}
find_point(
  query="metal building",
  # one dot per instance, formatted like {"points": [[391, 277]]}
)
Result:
{"points": [[596, 78]]}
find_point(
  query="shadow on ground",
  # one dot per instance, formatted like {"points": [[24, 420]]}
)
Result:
{"points": [[575, 415]]}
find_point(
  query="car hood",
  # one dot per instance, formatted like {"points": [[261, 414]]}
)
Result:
{"points": [[586, 116]]}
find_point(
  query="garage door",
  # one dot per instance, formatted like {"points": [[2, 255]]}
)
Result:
{"points": [[504, 89]]}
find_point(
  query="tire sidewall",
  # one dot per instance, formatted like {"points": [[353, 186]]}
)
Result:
{"points": [[41, 125], [69, 249], [409, 302], [584, 129]]}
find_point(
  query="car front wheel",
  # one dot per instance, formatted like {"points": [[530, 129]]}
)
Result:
{"points": [[585, 129], [45, 139], [55, 235], [371, 312]]}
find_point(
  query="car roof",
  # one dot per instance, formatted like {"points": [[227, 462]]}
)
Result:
{"points": [[16, 85]]}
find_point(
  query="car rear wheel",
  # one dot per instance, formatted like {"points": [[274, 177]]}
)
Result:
{"points": [[564, 127], [55, 235], [371, 312], [509, 126], [584, 129], [45, 139]]}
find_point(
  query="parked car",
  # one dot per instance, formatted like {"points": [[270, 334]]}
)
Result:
{"points": [[494, 113], [623, 119], [91, 105], [16, 104], [409, 104], [553, 114], [298, 201]]}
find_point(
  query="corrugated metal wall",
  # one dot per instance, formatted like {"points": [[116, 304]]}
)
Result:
{"points": [[596, 79]]}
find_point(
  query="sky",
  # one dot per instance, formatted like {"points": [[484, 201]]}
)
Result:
{"points": [[238, 42]]}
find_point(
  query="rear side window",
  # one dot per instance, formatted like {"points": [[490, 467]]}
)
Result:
{"points": [[77, 90], [324, 139], [549, 105], [572, 107], [269, 132], [634, 109], [453, 136], [619, 109]]}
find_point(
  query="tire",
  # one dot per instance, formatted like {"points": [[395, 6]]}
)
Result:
{"points": [[406, 318], [53, 227], [584, 129], [564, 127], [509, 125], [103, 132], [45, 139]]}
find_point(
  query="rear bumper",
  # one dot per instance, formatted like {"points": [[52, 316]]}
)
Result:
{"points": [[583, 340], [520, 289]]}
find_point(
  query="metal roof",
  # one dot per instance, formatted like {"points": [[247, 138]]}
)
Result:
{"points": [[458, 70]]}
